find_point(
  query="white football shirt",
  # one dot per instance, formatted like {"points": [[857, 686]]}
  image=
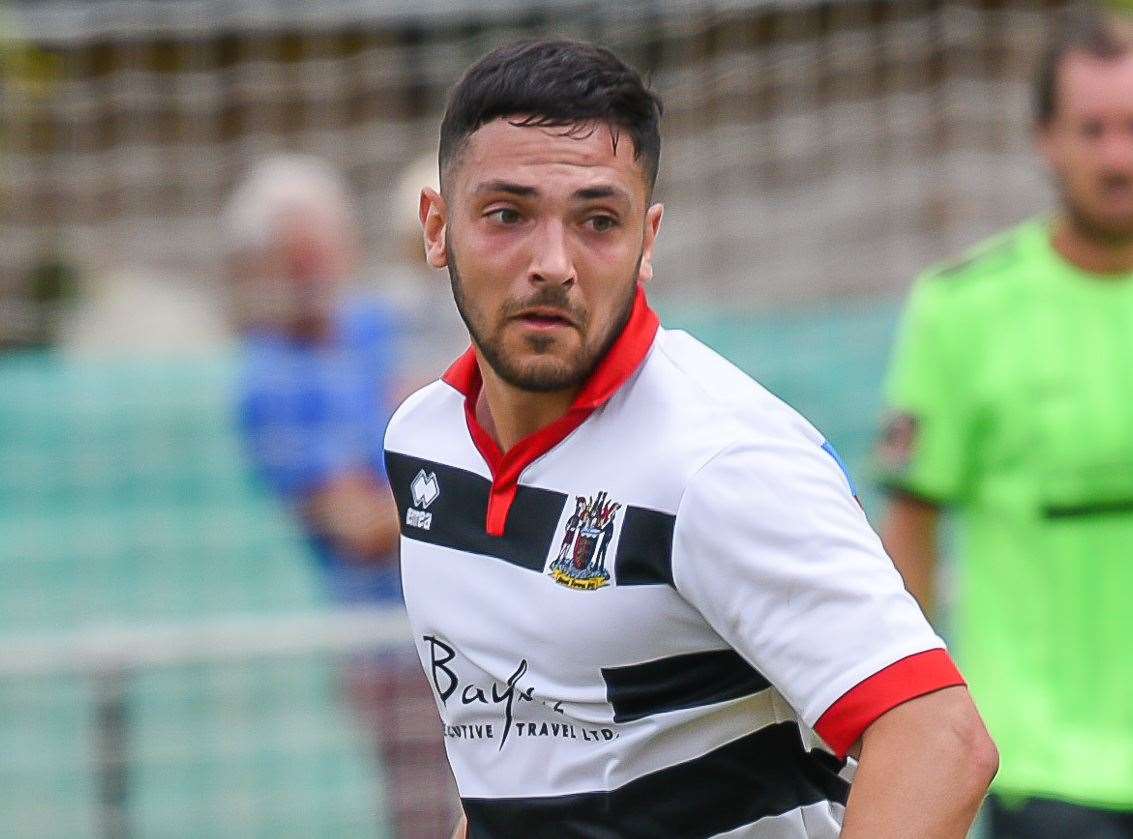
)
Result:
{"points": [[663, 615]]}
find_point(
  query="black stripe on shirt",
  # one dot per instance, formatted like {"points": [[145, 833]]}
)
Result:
{"points": [[645, 550], [767, 773], [459, 512], [683, 681]]}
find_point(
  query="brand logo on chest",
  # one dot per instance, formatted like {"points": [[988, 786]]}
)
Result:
{"points": [[583, 542], [424, 489]]}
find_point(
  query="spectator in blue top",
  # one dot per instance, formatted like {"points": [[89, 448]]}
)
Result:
{"points": [[318, 380], [318, 385]]}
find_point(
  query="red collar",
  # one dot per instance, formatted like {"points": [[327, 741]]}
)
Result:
{"points": [[621, 362]]}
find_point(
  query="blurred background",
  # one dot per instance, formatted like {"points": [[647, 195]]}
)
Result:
{"points": [[172, 660]]}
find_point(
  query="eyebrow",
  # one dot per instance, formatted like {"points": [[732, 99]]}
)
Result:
{"points": [[590, 193], [506, 186], [604, 191]]}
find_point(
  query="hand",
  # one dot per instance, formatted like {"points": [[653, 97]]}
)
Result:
{"points": [[357, 513], [461, 831]]}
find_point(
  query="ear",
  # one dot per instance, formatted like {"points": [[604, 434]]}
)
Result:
{"points": [[1043, 137], [433, 213], [652, 228]]}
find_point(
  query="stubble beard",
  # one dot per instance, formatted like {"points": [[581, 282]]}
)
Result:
{"points": [[568, 374], [1090, 227]]}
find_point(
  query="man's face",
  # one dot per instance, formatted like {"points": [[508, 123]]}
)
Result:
{"points": [[1089, 144], [292, 285], [545, 236]]}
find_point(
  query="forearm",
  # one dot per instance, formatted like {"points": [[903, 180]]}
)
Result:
{"points": [[924, 771]]}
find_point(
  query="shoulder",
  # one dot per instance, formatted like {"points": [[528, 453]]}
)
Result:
{"points": [[715, 396], [427, 414], [715, 413], [991, 257], [959, 301], [990, 271], [771, 483]]}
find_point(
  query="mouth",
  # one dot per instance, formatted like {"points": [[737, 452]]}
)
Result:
{"points": [[1117, 187], [544, 317]]}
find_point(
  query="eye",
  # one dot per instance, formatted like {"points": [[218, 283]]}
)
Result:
{"points": [[505, 215], [602, 223]]}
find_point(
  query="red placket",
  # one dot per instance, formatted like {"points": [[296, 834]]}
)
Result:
{"points": [[619, 364]]}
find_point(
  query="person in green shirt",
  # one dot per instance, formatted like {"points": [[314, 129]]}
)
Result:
{"points": [[1011, 401]]}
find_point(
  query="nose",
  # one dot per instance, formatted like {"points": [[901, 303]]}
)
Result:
{"points": [[551, 260]]}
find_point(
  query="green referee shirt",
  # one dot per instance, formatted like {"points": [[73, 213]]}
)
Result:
{"points": [[1011, 394]]}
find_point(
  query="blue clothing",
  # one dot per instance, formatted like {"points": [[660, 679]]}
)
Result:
{"points": [[311, 412]]}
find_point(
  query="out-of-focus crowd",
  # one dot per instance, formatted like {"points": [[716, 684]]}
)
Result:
{"points": [[327, 340]]}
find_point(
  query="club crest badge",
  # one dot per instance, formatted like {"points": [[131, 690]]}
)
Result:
{"points": [[579, 555]]}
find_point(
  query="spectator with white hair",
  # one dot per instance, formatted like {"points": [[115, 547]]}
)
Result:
{"points": [[317, 387], [317, 381]]}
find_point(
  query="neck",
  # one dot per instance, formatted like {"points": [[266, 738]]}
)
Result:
{"points": [[510, 414], [1089, 252]]}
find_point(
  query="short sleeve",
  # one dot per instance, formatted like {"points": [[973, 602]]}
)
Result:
{"points": [[771, 547], [924, 447]]}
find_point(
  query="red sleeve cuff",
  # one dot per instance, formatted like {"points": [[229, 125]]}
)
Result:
{"points": [[844, 721]]}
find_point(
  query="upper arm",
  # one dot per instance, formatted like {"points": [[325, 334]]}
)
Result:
{"points": [[940, 731], [909, 531], [947, 717], [909, 521], [924, 769], [772, 548]]}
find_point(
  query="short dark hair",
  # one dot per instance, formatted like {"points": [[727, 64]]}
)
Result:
{"points": [[554, 83], [1093, 33]]}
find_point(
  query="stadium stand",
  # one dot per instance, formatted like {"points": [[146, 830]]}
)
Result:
{"points": [[124, 503]]}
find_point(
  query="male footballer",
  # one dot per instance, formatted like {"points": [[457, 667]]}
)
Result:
{"points": [[641, 587]]}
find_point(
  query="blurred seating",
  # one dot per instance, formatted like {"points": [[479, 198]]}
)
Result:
{"points": [[124, 500]]}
